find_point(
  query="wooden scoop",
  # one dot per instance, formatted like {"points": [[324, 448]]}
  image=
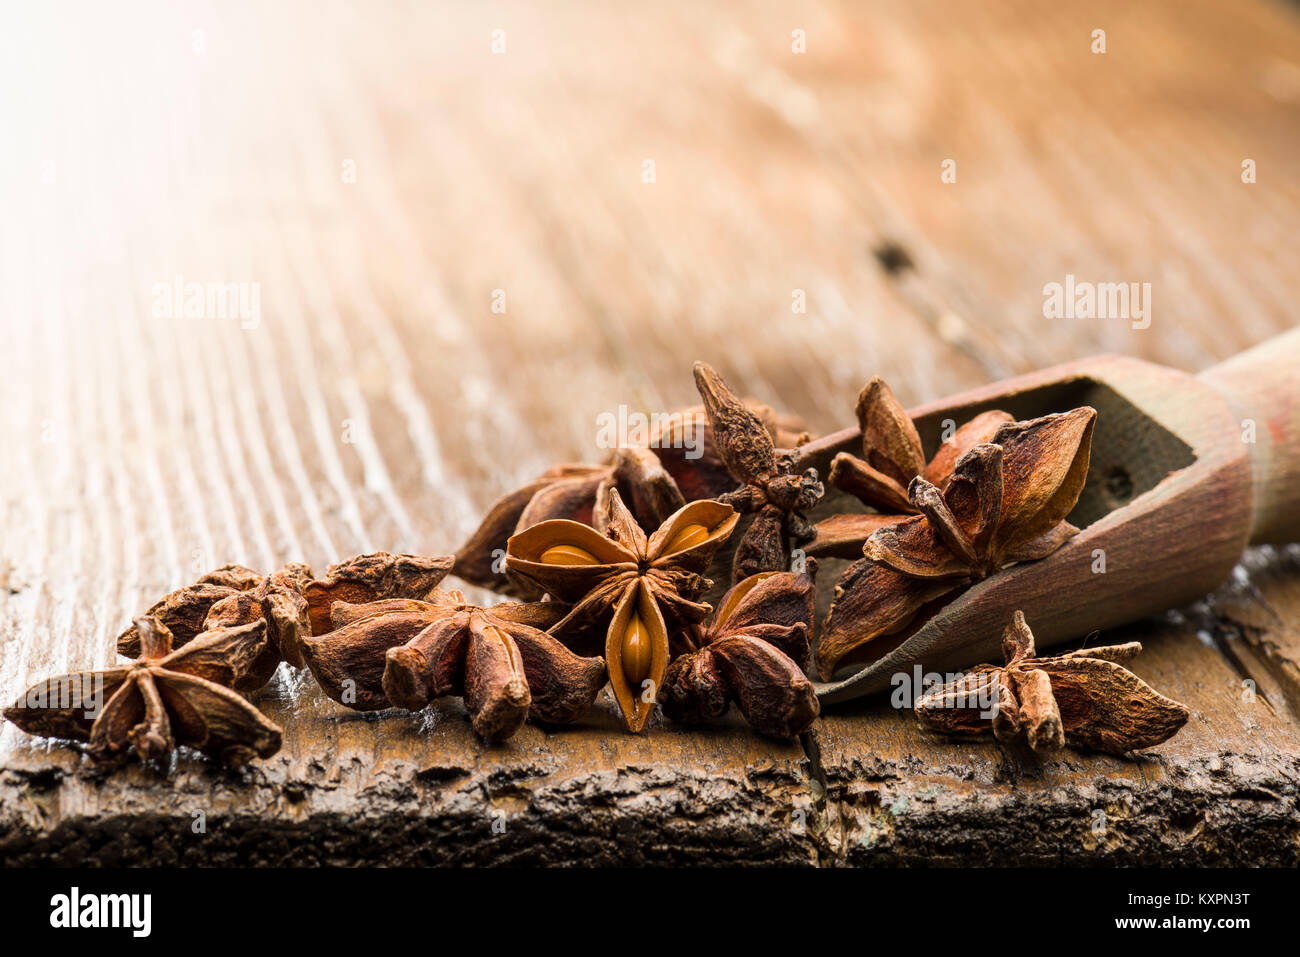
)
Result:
{"points": [[1185, 472]]}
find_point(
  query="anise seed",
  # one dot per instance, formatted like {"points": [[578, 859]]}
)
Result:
{"points": [[637, 651], [688, 537], [568, 555]]}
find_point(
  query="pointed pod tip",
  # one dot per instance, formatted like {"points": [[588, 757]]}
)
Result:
{"points": [[876, 395], [639, 718], [874, 386], [708, 382], [921, 489], [977, 462]]}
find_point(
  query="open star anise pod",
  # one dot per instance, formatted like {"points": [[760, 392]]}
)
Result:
{"points": [[771, 486], [1005, 502], [639, 588], [752, 652], [566, 492], [406, 653], [678, 463], [891, 458], [287, 600], [1084, 697], [167, 697]]}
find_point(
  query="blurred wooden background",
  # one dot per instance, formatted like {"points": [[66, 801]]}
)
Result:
{"points": [[384, 176]]}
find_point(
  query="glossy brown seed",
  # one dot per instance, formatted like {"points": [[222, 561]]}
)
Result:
{"points": [[568, 555], [688, 537], [636, 652]]}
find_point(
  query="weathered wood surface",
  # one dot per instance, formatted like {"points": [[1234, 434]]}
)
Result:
{"points": [[381, 403]]}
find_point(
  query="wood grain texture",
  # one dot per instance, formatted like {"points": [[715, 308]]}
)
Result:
{"points": [[379, 402]]}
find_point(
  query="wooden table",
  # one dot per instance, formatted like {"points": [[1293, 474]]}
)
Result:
{"points": [[385, 178]]}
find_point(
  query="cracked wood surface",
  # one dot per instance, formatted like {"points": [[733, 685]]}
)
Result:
{"points": [[380, 402]]}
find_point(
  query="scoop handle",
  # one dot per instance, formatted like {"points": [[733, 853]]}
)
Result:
{"points": [[1262, 385]]}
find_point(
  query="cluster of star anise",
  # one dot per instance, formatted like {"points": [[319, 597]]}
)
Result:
{"points": [[625, 547], [201, 645], [619, 553], [996, 493], [611, 561], [742, 455], [644, 592]]}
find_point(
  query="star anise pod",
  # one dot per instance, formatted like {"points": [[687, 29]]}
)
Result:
{"points": [[641, 589], [1084, 697], [565, 491], [373, 577], [891, 458], [771, 486], [482, 653], [678, 464], [500, 660], [1005, 502], [752, 652], [164, 699], [234, 595]]}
